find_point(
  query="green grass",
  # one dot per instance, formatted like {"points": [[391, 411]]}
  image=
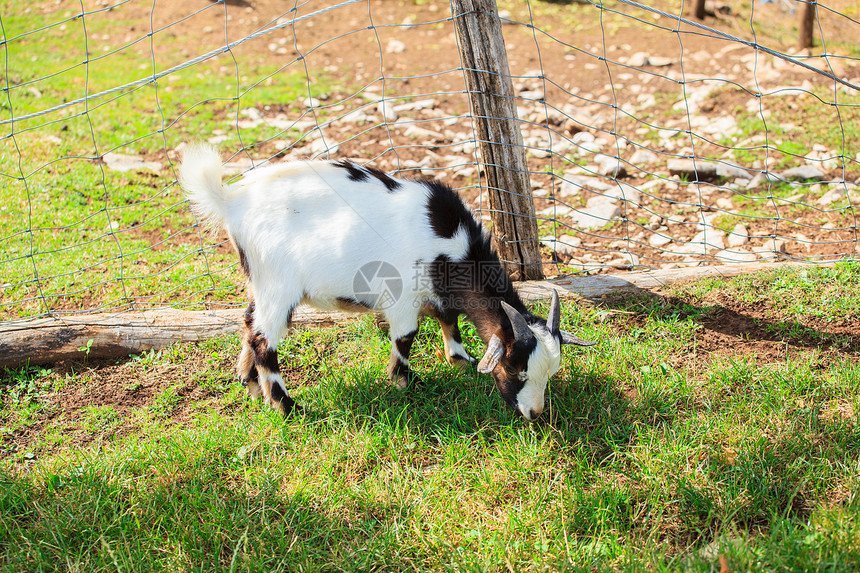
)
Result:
{"points": [[649, 458]]}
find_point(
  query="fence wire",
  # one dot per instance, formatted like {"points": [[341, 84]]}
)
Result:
{"points": [[653, 140]]}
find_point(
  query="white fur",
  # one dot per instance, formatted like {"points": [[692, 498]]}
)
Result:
{"points": [[306, 230], [543, 363]]}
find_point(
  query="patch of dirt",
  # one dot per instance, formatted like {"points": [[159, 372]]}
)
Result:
{"points": [[128, 389], [734, 329]]}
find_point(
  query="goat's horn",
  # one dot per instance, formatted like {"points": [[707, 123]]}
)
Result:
{"points": [[521, 329], [553, 319]]}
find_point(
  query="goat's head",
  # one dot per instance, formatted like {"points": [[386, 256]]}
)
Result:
{"points": [[522, 364]]}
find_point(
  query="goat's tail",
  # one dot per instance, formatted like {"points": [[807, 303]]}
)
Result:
{"points": [[200, 174]]}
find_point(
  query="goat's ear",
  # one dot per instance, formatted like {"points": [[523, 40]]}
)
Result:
{"points": [[518, 323], [553, 319], [568, 338], [494, 353]]}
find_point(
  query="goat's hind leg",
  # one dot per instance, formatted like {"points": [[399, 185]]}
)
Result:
{"points": [[265, 333], [245, 365], [403, 330]]}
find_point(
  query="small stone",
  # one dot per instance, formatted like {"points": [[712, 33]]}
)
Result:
{"points": [[357, 116], [626, 261], [773, 246], [725, 203], [596, 216], [395, 47], [564, 247], [739, 236], [638, 60], [386, 109], [739, 256], [804, 173], [660, 62], [832, 196], [658, 240], [643, 157], [311, 102], [610, 166], [698, 170], [121, 162], [732, 171], [416, 105]]}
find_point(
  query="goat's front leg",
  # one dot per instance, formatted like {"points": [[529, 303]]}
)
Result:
{"points": [[455, 353], [402, 332]]}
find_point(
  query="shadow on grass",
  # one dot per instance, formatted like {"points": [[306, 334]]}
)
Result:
{"points": [[186, 520], [744, 324]]}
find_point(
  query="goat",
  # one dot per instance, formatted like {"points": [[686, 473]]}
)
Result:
{"points": [[337, 235]]}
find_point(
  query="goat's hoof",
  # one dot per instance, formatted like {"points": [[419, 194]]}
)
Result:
{"points": [[402, 382], [462, 363], [289, 408], [253, 388]]}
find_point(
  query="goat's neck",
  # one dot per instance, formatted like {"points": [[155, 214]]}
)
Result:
{"points": [[484, 309]]}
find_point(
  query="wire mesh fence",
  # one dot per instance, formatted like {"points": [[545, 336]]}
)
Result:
{"points": [[653, 140]]}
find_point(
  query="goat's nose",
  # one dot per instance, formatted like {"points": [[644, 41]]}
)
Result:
{"points": [[534, 414]]}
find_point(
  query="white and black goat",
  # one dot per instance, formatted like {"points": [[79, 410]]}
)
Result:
{"points": [[316, 231]]}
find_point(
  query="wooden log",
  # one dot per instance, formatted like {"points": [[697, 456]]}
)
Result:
{"points": [[53, 339], [494, 111], [807, 24]]}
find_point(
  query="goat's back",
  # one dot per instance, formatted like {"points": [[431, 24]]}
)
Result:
{"points": [[318, 223]]}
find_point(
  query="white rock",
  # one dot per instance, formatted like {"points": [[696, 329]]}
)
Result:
{"points": [[658, 240], [322, 146], [694, 170], [573, 185], [806, 172], [610, 166], [555, 211], [725, 203], [386, 109], [625, 261], [736, 256], [773, 246], [566, 245], [832, 196], [638, 60], [413, 130], [732, 171], [121, 162], [643, 157], [660, 62], [596, 216], [356, 116], [415, 105], [739, 236], [395, 47]]}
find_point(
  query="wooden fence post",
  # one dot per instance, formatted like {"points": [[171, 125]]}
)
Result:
{"points": [[699, 9], [807, 23], [491, 93]]}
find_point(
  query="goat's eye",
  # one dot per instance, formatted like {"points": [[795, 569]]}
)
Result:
{"points": [[512, 372]]}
